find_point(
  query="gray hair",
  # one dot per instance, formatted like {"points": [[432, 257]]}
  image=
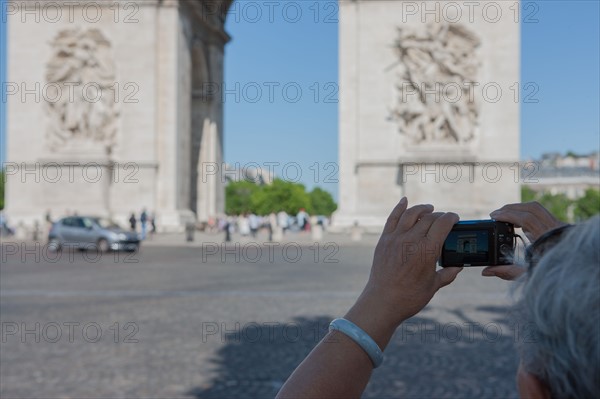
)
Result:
{"points": [[559, 312]]}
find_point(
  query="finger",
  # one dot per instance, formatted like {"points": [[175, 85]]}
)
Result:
{"points": [[423, 225], [531, 206], [525, 219], [523, 206], [447, 275], [536, 211], [411, 215], [392, 220], [518, 218], [533, 226], [439, 230], [508, 272]]}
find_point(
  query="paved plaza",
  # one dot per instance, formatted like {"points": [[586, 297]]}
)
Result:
{"points": [[205, 320]]}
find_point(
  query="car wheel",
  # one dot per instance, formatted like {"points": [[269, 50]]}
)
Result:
{"points": [[54, 244], [103, 245]]}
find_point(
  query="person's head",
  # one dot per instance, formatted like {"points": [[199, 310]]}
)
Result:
{"points": [[559, 315]]}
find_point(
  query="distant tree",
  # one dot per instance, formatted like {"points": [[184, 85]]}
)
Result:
{"points": [[557, 204], [239, 197], [588, 205], [322, 202], [281, 195], [245, 197], [571, 154], [527, 194]]}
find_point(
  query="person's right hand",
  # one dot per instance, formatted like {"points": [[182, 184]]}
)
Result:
{"points": [[403, 276], [534, 219]]}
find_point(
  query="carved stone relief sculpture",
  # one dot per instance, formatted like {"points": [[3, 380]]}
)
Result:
{"points": [[438, 72], [81, 91]]}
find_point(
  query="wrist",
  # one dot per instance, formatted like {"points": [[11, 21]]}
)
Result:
{"points": [[370, 315]]}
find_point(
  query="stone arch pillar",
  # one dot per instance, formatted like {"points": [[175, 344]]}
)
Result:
{"points": [[202, 99], [207, 196], [210, 186]]}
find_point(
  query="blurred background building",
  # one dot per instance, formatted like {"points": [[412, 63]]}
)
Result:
{"points": [[571, 174]]}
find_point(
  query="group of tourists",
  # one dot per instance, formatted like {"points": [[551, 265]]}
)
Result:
{"points": [[145, 219]]}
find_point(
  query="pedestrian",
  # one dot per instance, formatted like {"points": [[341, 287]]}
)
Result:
{"points": [[227, 229], [282, 221], [222, 223], [253, 221], [212, 224], [244, 225], [153, 224], [132, 222], [144, 221], [190, 228], [271, 225], [36, 230], [48, 217], [302, 218], [49, 222]]}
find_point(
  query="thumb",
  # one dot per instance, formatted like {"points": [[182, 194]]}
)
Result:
{"points": [[509, 272], [447, 275]]}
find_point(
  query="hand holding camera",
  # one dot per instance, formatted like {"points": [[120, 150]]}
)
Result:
{"points": [[403, 276], [534, 219]]}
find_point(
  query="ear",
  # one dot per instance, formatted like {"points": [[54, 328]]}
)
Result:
{"points": [[530, 386]]}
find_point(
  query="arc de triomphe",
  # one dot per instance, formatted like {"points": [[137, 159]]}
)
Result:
{"points": [[114, 107], [428, 108]]}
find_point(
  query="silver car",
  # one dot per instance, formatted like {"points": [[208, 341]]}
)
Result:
{"points": [[91, 233]]}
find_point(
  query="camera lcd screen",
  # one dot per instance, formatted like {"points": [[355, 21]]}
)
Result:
{"points": [[467, 247]]}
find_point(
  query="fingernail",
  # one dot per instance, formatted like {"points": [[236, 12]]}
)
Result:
{"points": [[487, 273], [403, 200]]}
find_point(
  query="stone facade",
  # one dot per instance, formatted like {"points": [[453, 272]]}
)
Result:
{"points": [[112, 108], [429, 107]]}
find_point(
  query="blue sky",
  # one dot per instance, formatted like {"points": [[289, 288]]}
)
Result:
{"points": [[2, 80], [560, 53]]}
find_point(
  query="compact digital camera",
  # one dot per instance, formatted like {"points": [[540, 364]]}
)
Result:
{"points": [[479, 243]]}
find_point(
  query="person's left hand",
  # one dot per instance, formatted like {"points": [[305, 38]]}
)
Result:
{"points": [[403, 276], [505, 272]]}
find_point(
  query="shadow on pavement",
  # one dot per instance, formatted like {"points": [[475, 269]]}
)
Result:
{"points": [[255, 362], [460, 359], [425, 359]]}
